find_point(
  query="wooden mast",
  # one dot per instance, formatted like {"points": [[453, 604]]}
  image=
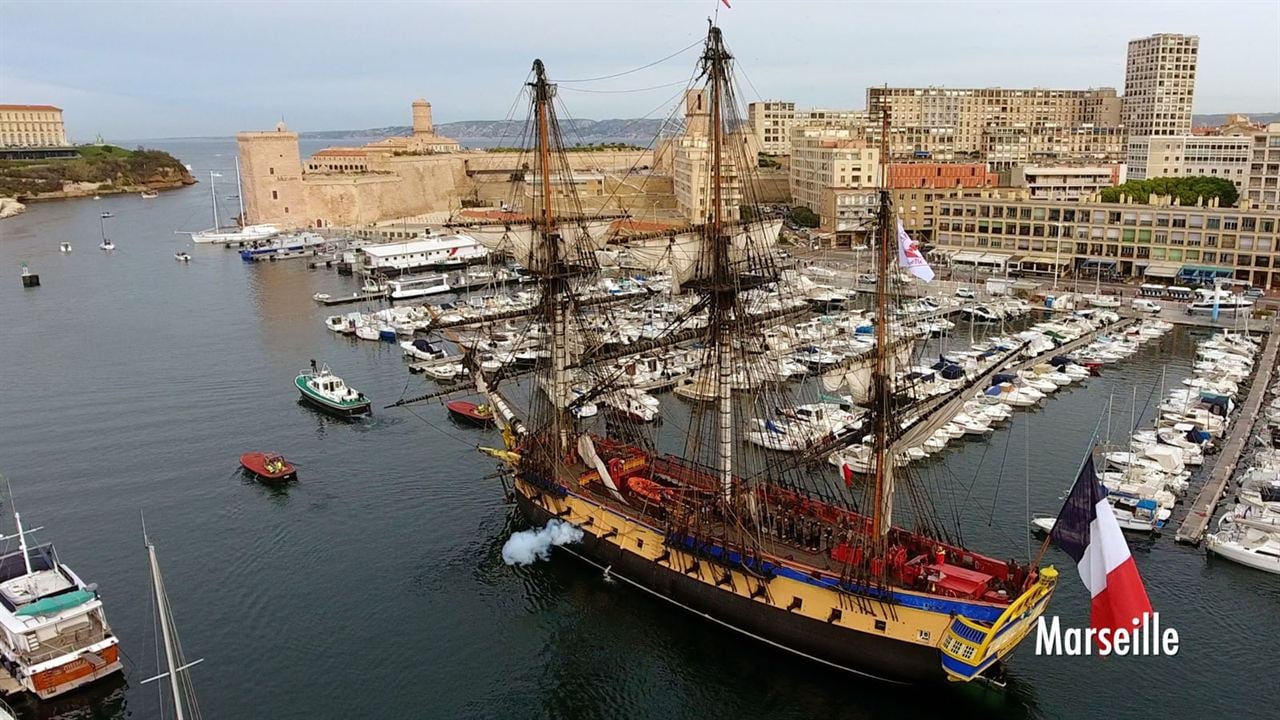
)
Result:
{"points": [[881, 407], [721, 281], [553, 271]]}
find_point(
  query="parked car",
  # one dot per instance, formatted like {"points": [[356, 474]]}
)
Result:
{"points": [[1254, 293], [867, 278], [967, 293]]}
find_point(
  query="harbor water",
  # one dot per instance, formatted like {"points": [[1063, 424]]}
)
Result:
{"points": [[374, 587]]}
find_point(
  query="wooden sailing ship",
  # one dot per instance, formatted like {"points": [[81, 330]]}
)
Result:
{"points": [[777, 551]]}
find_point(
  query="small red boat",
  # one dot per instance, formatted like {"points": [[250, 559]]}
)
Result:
{"points": [[470, 413], [268, 467]]}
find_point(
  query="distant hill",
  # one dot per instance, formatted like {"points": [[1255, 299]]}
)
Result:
{"points": [[1217, 119], [574, 131]]}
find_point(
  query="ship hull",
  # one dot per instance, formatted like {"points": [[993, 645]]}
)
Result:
{"points": [[877, 656]]}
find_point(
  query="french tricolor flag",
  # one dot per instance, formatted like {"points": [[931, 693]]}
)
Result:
{"points": [[1087, 530]]}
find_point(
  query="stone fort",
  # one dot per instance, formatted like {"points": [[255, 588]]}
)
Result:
{"points": [[404, 176]]}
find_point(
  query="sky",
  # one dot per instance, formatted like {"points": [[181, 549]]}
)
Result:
{"points": [[173, 69]]}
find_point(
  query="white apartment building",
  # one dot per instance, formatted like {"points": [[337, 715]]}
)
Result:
{"points": [[1224, 156], [692, 162], [773, 122], [1065, 182], [1159, 84]]}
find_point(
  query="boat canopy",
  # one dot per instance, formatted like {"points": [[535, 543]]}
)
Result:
{"points": [[56, 604]]}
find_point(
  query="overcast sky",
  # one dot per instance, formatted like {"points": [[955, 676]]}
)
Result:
{"points": [[140, 70]]}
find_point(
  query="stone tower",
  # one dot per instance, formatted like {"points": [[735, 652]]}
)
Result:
{"points": [[271, 175], [422, 117], [697, 114]]}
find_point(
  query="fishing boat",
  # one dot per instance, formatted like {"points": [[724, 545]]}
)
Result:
{"points": [[182, 257], [149, 194], [64, 246], [328, 392], [182, 692], [269, 467], [470, 413], [55, 634], [779, 552]]}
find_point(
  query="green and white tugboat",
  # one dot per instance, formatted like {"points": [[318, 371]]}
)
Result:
{"points": [[329, 393]]}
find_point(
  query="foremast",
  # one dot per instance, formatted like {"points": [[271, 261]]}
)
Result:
{"points": [[881, 382], [722, 289]]}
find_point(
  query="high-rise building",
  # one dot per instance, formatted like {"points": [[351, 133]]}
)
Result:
{"points": [[835, 173], [772, 122], [1159, 84], [691, 164], [1224, 156]]}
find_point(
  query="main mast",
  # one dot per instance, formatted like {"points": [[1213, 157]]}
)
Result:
{"points": [[881, 390], [555, 285], [722, 299]]}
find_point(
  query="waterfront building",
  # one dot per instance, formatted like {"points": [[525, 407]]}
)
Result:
{"points": [[1064, 182], [29, 126], [420, 253], [1262, 187], [954, 123], [1159, 83], [1162, 241]]}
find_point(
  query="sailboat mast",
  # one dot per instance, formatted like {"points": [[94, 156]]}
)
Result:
{"points": [[722, 301], [163, 609], [555, 287], [881, 410], [240, 192], [213, 198]]}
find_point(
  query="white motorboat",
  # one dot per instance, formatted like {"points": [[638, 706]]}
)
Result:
{"points": [[1245, 544], [182, 257], [445, 372], [107, 245], [1220, 301], [422, 349], [64, 247], [412, 287]]}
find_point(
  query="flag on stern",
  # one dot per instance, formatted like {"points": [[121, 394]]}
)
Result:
{"points": [[910, 257], [1087, 530]]}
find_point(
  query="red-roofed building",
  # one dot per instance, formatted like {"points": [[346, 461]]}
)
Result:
{"points": [[31, 126], [936, 175]]}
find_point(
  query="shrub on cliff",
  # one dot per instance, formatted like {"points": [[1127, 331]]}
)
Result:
{"points": [[97, 163]]}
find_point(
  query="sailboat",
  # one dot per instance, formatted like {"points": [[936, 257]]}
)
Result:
{"points": [[182, 693], [782, 554], [239, 233], [106, 245]]}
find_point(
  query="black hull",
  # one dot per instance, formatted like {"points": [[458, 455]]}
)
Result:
{"points": [[864, 654]]}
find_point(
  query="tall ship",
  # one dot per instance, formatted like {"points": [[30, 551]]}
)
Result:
{"points": [[859, 573], [54, 635]]}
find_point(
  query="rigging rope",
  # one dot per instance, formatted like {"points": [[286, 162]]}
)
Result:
{"points": [[681, 51]]}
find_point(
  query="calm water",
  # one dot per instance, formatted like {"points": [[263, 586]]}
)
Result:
{"points": [[374, 587]]}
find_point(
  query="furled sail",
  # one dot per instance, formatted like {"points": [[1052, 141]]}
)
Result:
{"points": [[679, 253], [518, 240], [856, 377]]}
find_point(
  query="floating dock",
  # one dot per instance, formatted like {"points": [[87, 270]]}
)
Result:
{"points": [[1196, 523], [352, 298]]}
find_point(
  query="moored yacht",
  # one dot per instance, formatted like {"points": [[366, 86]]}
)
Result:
{"points": [[54, 635]]}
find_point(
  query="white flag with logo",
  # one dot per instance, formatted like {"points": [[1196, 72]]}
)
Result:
{"points": [[910, 257]]}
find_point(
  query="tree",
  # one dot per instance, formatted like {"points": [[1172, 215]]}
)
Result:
{"points": [[804, 217], [1187, 189]]}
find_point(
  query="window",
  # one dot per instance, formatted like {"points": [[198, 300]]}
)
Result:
{"points": [[274, 195], [271, 171]]}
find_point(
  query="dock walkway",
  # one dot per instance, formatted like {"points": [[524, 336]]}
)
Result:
{"points": [[1196, 523]]}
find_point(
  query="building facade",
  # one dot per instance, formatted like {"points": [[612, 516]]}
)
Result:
{"points": [[691, 164], [1263, 185], [830, 158], [1163, 242], [955, 123], [771, 123], [26, 126], [1159, 84], [1065, 182], [1224, 156], [940, 175]]}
